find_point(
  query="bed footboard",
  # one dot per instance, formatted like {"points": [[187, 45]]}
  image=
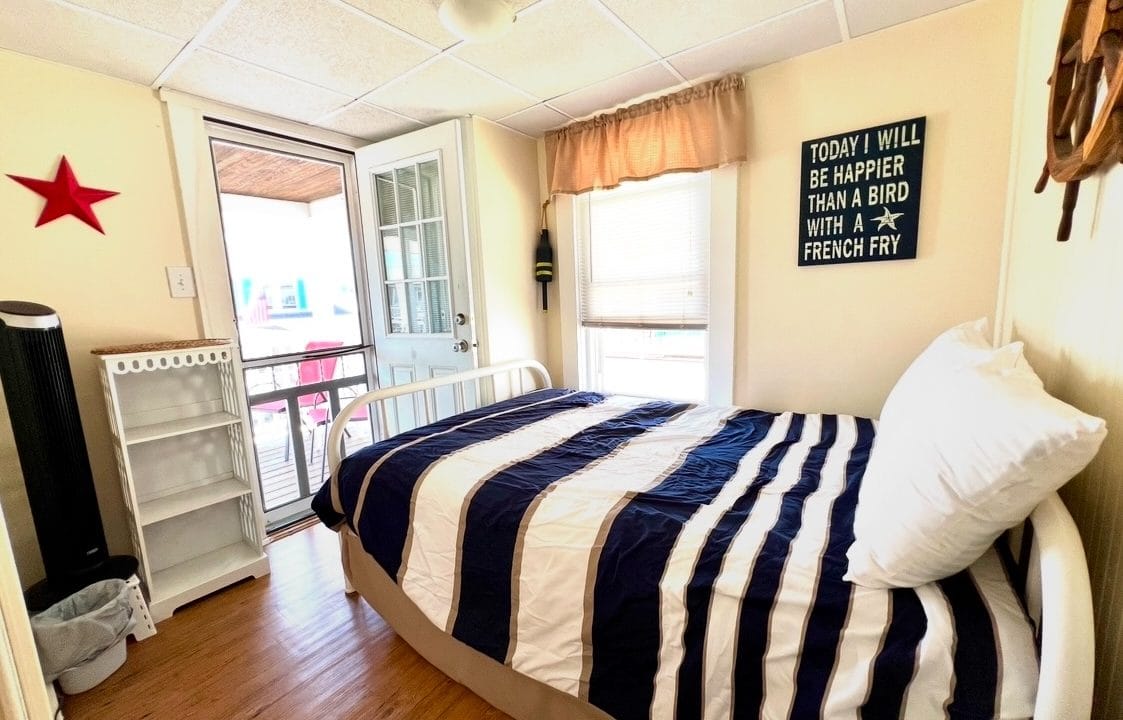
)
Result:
{"points": [[491, 384]]}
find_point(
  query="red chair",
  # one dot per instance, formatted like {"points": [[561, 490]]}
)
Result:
{"points": [[309, 372]]}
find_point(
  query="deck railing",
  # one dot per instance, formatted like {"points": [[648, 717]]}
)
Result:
{"points": [[330, 396]]}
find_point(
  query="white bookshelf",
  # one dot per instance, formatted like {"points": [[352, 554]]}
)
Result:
{"points": [[182, 439]]}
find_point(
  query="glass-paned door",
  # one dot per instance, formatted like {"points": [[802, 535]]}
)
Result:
{"points": [[297, 280], [412, 209]]}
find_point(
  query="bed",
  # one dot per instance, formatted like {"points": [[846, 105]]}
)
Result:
{"points": [[574, 555]]}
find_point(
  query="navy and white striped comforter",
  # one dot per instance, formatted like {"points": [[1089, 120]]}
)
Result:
{"points": [[675, 561]]}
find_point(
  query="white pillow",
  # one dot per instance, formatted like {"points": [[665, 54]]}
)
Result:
{"points": [[963, 345], [968, 444]]}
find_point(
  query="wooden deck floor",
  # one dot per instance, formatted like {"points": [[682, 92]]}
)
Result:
{"points": [[278, 476], [289, 646]]}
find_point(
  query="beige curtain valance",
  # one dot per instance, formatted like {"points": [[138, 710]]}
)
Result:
{"points": [[695, 129]]}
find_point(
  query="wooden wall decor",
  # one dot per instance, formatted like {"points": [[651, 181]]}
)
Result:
{"points": [[1085, 122]]}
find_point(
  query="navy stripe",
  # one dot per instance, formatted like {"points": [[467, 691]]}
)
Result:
{"points": [[626, 622], [764, 581], [690, 698], [833, 595], [894, 665], [386, 517], [496, 511], [1010, 569], [354, 466], [976, 652]]}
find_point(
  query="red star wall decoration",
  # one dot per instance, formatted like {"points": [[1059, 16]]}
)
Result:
{"points": [[66, 197]]}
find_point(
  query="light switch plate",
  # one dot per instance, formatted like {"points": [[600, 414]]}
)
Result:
{"points": [[181, 282]]}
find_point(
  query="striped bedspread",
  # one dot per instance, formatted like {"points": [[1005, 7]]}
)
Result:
{"points": [[669, 560]]}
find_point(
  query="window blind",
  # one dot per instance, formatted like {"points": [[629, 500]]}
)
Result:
{"points": [[643, 254]]}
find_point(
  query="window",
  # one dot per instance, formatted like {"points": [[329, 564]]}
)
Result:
{"points": [[643, 286], [288, 297]]}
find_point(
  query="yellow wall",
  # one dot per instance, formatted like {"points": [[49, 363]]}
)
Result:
{"points": [[107, 289], [836, 338], [507, 200], [1065, 300]]}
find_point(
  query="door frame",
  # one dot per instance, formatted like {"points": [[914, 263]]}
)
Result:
{"points": [[186, 116], [192, 123], [23, 692]]}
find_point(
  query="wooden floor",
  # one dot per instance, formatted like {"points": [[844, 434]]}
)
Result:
{"points": [[288, 646]]}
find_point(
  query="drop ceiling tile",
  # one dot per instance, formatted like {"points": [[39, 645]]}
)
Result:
{"points": [[317, 41], [75, 37], [446, 89], [800, 32], [535, 121], [215, 76], [673, 25], [367, 121], [418, 17], [173, 17], [614, 91], [866, 16], [558, 47]]}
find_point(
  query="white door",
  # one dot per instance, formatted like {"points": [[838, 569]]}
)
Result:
{"points": [[414, 223]]}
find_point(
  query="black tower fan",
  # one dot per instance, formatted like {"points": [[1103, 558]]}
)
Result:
{"points": [[43, 409]]}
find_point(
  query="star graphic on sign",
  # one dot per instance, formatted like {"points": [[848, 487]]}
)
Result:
{"points": [[65, 196], [887, 218]]}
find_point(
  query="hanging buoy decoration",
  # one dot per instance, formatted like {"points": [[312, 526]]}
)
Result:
{"points": [[544, 260]]}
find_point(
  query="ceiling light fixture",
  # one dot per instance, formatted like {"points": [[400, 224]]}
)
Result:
{"points": [[476, 20]]}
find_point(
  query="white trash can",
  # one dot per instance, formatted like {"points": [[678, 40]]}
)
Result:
{"points": [[81, 639]]}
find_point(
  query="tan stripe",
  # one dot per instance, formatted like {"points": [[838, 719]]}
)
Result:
{"points": [[709, 608], [912, 677], [822, 550], [590, 582], [598, 546], [378, 463], [413, 500], [804, 443], [876, 654], [768, 618], [516, 564], [407, 549], [462, 522], [997, 641], [455, 607], [744, 595]]}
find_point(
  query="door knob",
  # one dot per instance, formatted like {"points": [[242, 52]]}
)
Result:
{"points": [[460, 318], [460, 346]]}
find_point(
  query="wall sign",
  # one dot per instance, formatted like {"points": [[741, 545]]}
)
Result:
{"points": [[860, 195]]}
